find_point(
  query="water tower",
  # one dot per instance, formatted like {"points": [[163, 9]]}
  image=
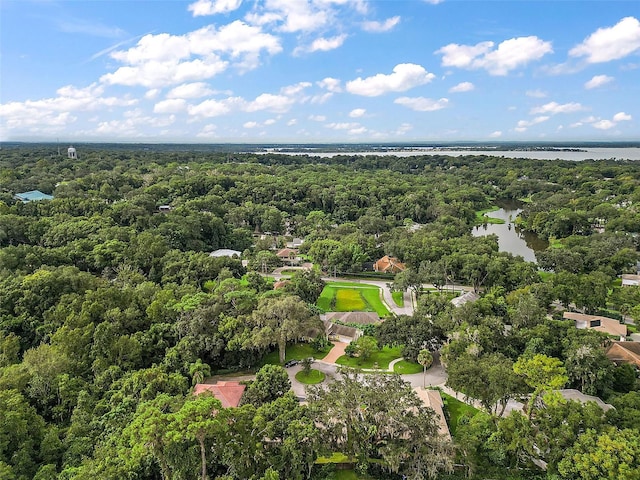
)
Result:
{"points": [[71, 153]]}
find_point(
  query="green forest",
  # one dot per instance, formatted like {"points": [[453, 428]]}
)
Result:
{"points": [[112, 309]]}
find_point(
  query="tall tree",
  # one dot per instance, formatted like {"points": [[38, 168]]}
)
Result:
{"points": [[379, 417], [279, 320]]}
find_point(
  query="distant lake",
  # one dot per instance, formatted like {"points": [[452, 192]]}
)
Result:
{"points": [[601, 153], [510, 238]]}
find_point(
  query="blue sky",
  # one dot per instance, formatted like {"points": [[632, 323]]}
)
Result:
{"points": [[261, 71]]}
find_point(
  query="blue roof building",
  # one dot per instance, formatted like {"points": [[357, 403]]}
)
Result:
{"points": [[32, 196]]}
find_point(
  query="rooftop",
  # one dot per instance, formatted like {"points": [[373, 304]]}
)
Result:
{"points": [[32, 195], [229, 393]]}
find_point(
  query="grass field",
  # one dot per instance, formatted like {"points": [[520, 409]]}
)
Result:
{"points": [[398, 297], [403, 367], [381, 357], [314, 376], [352, 297], [456, 409], [481, 218], [296, 351]]}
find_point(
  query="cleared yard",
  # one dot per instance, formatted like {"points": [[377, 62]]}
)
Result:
{"points": [[352, 297], [381, 358]]}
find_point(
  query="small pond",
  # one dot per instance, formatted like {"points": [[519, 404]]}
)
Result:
{"points": [[510, 238]]}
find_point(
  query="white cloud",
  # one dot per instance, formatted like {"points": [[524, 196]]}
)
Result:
{"points": [[610, 43], [554, 108], [496, 134], [164, 59], [209, 108], [211, 7], [343, 125], [170, 106], [208, 130], [57, 111], [295, 89], [326, 44], [421, 104], [598, 81], [433, 2], [509, 55], [331, 84], [404, 77], [462, 87], [251, 124], [604, 124], [463, 56], [151, 94], [292, 122], [270, 102], [379, 27], [357, 131], [529, 123], [190, 90], [318, 118], [270, 121], [622, 117], [536, 93], [357, 112]]}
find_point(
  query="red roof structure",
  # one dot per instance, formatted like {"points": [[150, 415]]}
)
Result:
{"points": [[389, 264], [229, 393]]}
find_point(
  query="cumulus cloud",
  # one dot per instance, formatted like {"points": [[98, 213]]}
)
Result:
{"points": [[604, 124], [331, 84], [598, 81], [318, 118], [190, 90], [322, 45], [58, 111], [357, 112], [210, 108], [523, 124], [610, 43], [554, 108], [164, 59], [421, 104], [271, 102], [621, 117], [496, 134], [404, 77], [462, 87], [509, 55], [251, 124], [379, 27], [212, 7], [170, 106], [342, 125]]}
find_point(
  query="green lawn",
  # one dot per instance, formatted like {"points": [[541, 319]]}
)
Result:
{"points": [[456, 409], [398, 297], [381, 357], [295, 351], [404, 367], [314, 376], [352, 297], [481, 218]]}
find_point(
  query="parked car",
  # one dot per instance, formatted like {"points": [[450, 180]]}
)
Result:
{"points": [[290, 363]]}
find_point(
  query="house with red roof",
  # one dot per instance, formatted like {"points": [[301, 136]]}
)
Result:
{"points": [[229, 393], [389, 264]]}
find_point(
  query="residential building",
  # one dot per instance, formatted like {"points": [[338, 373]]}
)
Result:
{"points": [[389, 264], [624, 352], [229, 393], [607, 325], [32, 196]]}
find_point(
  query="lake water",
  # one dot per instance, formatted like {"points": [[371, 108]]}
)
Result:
{"points": [[510, 238], [601, 153]]}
